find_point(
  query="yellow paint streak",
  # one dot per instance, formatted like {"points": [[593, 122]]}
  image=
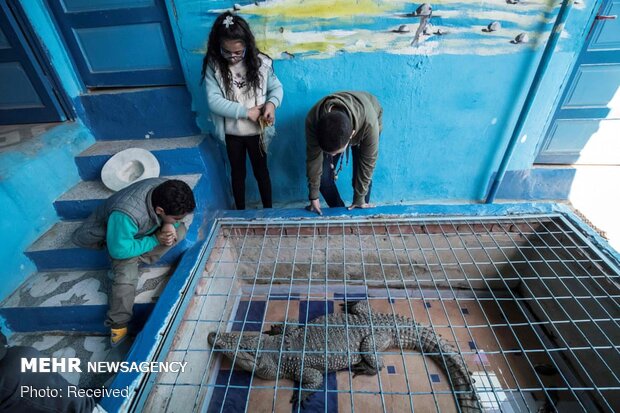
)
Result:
{"points": [[274, 47], [320, 9]]}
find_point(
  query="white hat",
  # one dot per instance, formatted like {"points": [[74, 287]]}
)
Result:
{"points": [[129, 166]]}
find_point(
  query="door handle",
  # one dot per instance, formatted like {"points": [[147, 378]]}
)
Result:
{"points": [[603, 17]]}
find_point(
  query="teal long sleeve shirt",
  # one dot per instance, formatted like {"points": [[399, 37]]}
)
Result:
{"points": [[121, 238]]}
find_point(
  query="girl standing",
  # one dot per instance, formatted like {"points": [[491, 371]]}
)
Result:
{"points": [[243, 93]]}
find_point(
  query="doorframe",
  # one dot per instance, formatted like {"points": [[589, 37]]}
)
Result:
{"points": [[549, 160], [79, 65], [42, 58]]}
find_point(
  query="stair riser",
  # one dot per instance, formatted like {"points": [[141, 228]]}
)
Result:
{"points": [[77, 209], [164, 112], [79, 318], [82, 258], [178, 161]]}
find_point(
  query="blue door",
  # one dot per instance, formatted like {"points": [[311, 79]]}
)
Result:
{"points": [[585, 127], [26, 96], [119, 43]]}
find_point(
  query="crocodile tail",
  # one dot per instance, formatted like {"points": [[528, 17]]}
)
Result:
{"points": [[424, 339]]}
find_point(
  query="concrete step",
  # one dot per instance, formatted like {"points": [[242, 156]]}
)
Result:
{"points": [[54, 250], [176, 156], [88, 348], [75, 300], [84, 197]]}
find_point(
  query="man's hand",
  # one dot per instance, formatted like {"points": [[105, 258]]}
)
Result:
{"points": [[315, 206], [269, 113], [360, 206], [166, 237], [254, 113]]}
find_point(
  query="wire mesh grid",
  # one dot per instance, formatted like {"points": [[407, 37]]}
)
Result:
{"points": [[528, 304]]}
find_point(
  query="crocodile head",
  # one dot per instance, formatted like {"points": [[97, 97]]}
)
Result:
{"points": [[238, 347]]}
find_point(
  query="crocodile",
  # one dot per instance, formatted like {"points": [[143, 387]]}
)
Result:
{"points": [[348, 340]]}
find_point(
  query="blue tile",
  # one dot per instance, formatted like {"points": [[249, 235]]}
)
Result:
{"points": [[318, 402], [236, 397], [309, 310], [435, 378], [392, 300], [472, 345], [428, 305], [391, 370], [249, 319], [464, 310]]}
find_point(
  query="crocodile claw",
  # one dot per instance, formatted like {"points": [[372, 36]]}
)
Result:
{"points": [[347, 306], [276, 329], [296, 402], [362, 370]]}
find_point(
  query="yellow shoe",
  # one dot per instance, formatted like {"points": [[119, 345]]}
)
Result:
{"points": [[117, 336]]}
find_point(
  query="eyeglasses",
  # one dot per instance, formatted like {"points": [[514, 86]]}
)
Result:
{"points": [[227, 54]]}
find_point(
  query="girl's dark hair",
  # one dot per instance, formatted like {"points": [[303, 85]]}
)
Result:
{"points": [[174, 197], [238, 30]]}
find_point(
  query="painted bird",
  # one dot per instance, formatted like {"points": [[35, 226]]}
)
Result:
{"points": [[424, 12]]}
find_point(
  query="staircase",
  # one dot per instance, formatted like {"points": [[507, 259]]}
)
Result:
{"points": [[60, 309]]}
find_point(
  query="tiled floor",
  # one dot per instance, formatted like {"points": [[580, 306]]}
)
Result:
{"points": [[13, 134], [527, 303]]}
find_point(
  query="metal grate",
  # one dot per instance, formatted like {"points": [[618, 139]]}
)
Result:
{"points": [[528, 304]]}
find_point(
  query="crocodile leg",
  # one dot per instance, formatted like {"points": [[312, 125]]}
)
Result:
{"points": [[278, 328], [372, 363], [356, 307], [310, 381]]}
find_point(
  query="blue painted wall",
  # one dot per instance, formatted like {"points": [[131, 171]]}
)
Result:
{"points": [[32, 175], [449, 108]]}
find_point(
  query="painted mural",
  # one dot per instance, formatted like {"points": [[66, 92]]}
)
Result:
{"points": [[451, 77], [323, 28]]}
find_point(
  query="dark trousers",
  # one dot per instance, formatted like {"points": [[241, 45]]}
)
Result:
{"points": [[328, 187], [236, 148]]}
